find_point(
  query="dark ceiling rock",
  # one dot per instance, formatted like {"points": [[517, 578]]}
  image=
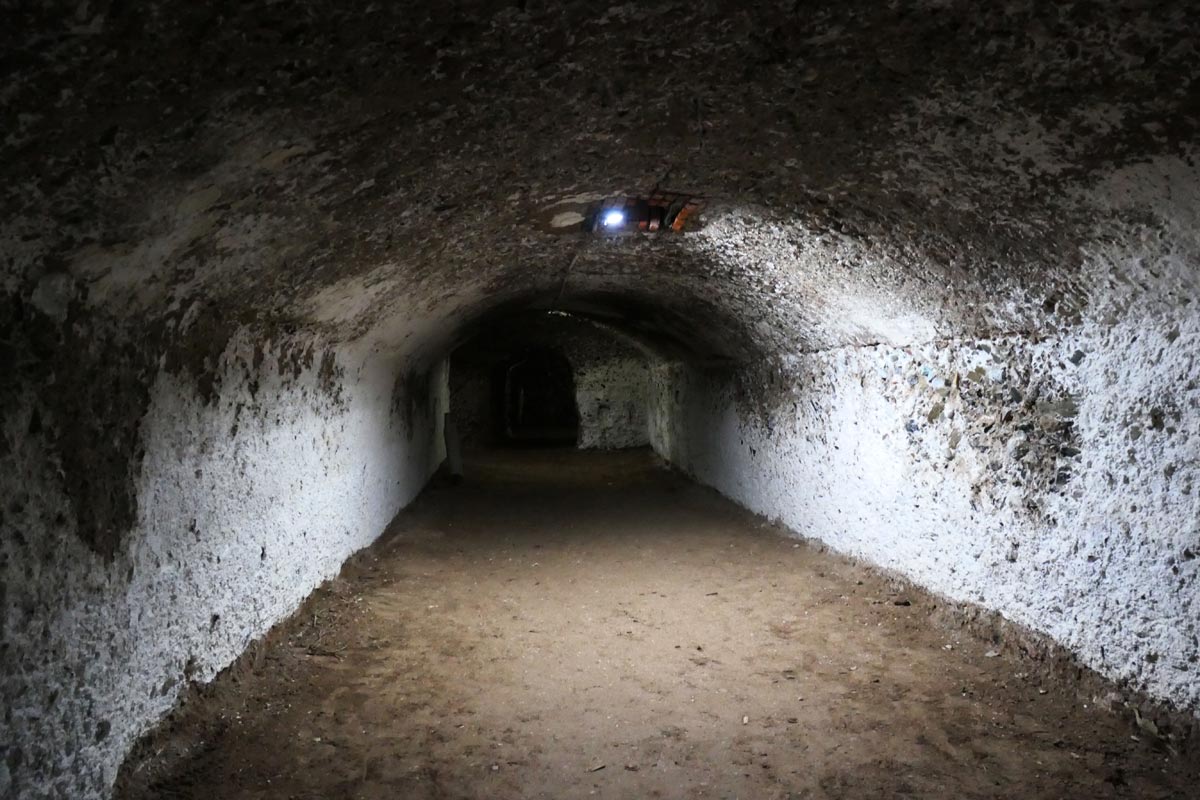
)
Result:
{"points": [[874, 173]]}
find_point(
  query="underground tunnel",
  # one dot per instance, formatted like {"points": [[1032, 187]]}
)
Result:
{"points": [[525, 399]]}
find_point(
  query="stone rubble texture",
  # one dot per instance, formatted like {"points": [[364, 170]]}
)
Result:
{"points": [[940, 312]]}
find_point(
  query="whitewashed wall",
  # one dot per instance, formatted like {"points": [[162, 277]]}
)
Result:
{"points": [[246, 504], [1057, 482]]}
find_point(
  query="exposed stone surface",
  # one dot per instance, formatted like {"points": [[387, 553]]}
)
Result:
{"points": [[997, 472], [926, 160], [301, 209], [244, 503]]}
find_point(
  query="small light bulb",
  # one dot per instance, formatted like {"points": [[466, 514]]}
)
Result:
{"points": [[613, 218]]}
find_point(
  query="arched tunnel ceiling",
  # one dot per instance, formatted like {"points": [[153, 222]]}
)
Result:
{"points": [[875, 172], [652, 328], [512, 330]]}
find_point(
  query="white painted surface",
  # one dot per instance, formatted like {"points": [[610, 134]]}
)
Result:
{"points": [[1106, 560], [235, 529], [612, 397]]}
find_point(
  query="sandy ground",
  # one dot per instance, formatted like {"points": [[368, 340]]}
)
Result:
{"points": [[567, 625]]}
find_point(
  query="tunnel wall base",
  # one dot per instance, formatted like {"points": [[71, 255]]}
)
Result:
{"points": [[246, 502], [1054, 482]]}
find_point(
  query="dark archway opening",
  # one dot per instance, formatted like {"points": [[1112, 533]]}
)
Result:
{"points": [[534, 399]]}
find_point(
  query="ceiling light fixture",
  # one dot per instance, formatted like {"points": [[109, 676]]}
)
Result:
{"points": [[614, 218], [658, 211]]}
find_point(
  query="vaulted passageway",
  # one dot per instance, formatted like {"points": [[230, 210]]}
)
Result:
{"points": [[918, 281]]}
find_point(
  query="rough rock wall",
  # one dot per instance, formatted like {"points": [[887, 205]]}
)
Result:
{"points": [[877, 173], [612, 378], [244, 500], [1047, 474], [612, 395], [361, 168], [1054, 481]]}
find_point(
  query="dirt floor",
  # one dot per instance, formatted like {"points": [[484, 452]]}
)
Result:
{"points": [[565, 625]]}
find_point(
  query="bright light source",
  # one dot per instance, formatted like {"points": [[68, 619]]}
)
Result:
{"points": [[613, 218]]}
